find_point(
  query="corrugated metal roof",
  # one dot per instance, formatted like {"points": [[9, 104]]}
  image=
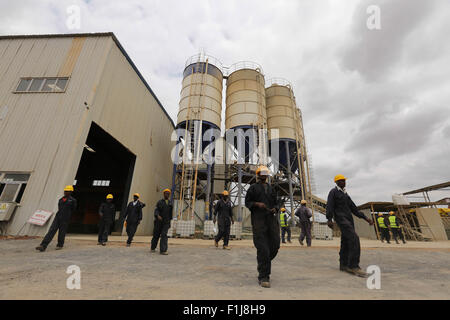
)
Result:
{"points": [[95, 34]]}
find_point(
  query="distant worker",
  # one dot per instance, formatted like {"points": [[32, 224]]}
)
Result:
{"points": [[262, 201], [285, 227], [224, 214], [383, 225], [107, 212], [394, 223], [133, 216], [304, 214], [163, 215], [340, 207], [66, 206]]}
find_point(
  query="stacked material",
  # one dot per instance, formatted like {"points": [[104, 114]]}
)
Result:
{"points": [[321, 231], [208, 229], [185, 228]]}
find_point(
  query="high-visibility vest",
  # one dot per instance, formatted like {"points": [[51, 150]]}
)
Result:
{"points": [[392, 222], [381, 222], [283, 219]]}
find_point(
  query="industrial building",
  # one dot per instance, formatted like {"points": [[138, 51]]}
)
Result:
{"points": [[74, 109]]}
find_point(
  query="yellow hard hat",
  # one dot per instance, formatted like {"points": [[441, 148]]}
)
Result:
{"points": [[262, 169], [137, 195], [68, 188], [303, 202], [391, 212], [283, 209], [167, 190], [380, 214], [339, 177], [109, 196], [225, 193]]}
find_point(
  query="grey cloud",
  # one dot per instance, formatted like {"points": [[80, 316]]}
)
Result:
{"points": [[388, 136], [374, 53], [446, 133]]}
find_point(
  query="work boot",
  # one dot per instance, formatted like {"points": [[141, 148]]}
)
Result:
{"points": [[59, 247], [216, 244], [265, 283], [226, 248], [164, 253], [357, 272], [40, 248]]}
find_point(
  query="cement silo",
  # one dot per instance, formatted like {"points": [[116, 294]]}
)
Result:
{"points": [[286, 136], [282, 117], [201, 94], [200, 110], [245, 111]]}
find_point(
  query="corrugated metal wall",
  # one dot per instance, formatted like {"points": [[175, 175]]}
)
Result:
{"points": [[44, 133], [127, 110]]}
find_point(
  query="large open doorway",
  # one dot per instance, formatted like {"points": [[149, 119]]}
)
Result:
{"points": [[106, 166]]}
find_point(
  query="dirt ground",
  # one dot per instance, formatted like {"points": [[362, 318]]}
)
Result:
{"points": [[195, 269]]}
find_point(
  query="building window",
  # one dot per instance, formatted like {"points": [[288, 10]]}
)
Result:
{"points": [[23, 85], [12, 186], [101, 183], [51, 84]]}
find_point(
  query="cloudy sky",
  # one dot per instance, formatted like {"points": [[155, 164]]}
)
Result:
{"points": [[375, 102]]}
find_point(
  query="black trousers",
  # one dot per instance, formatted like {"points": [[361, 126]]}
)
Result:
{"points": [[350, 247], [384, 234], [285, 230], [305, 227], [59, 224], [160, 232], [131, 230], [224, 232], [103, 230], [266, 238], [397, 233]]}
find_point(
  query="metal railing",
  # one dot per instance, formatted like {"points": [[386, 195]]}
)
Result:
{"points": [[226, 70], [202, 57], [242, 65], [279, 81]]}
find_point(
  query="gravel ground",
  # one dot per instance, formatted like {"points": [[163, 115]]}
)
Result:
{"points": [[194, 271]]}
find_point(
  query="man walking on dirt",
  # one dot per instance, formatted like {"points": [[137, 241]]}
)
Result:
{"points": [[383, 225], [133, 214], [340, 207], [395, 224], [106, 211], [163, 215], [262, 201], [285, 227], [224, 214], [66, 206], [304, 214]]}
